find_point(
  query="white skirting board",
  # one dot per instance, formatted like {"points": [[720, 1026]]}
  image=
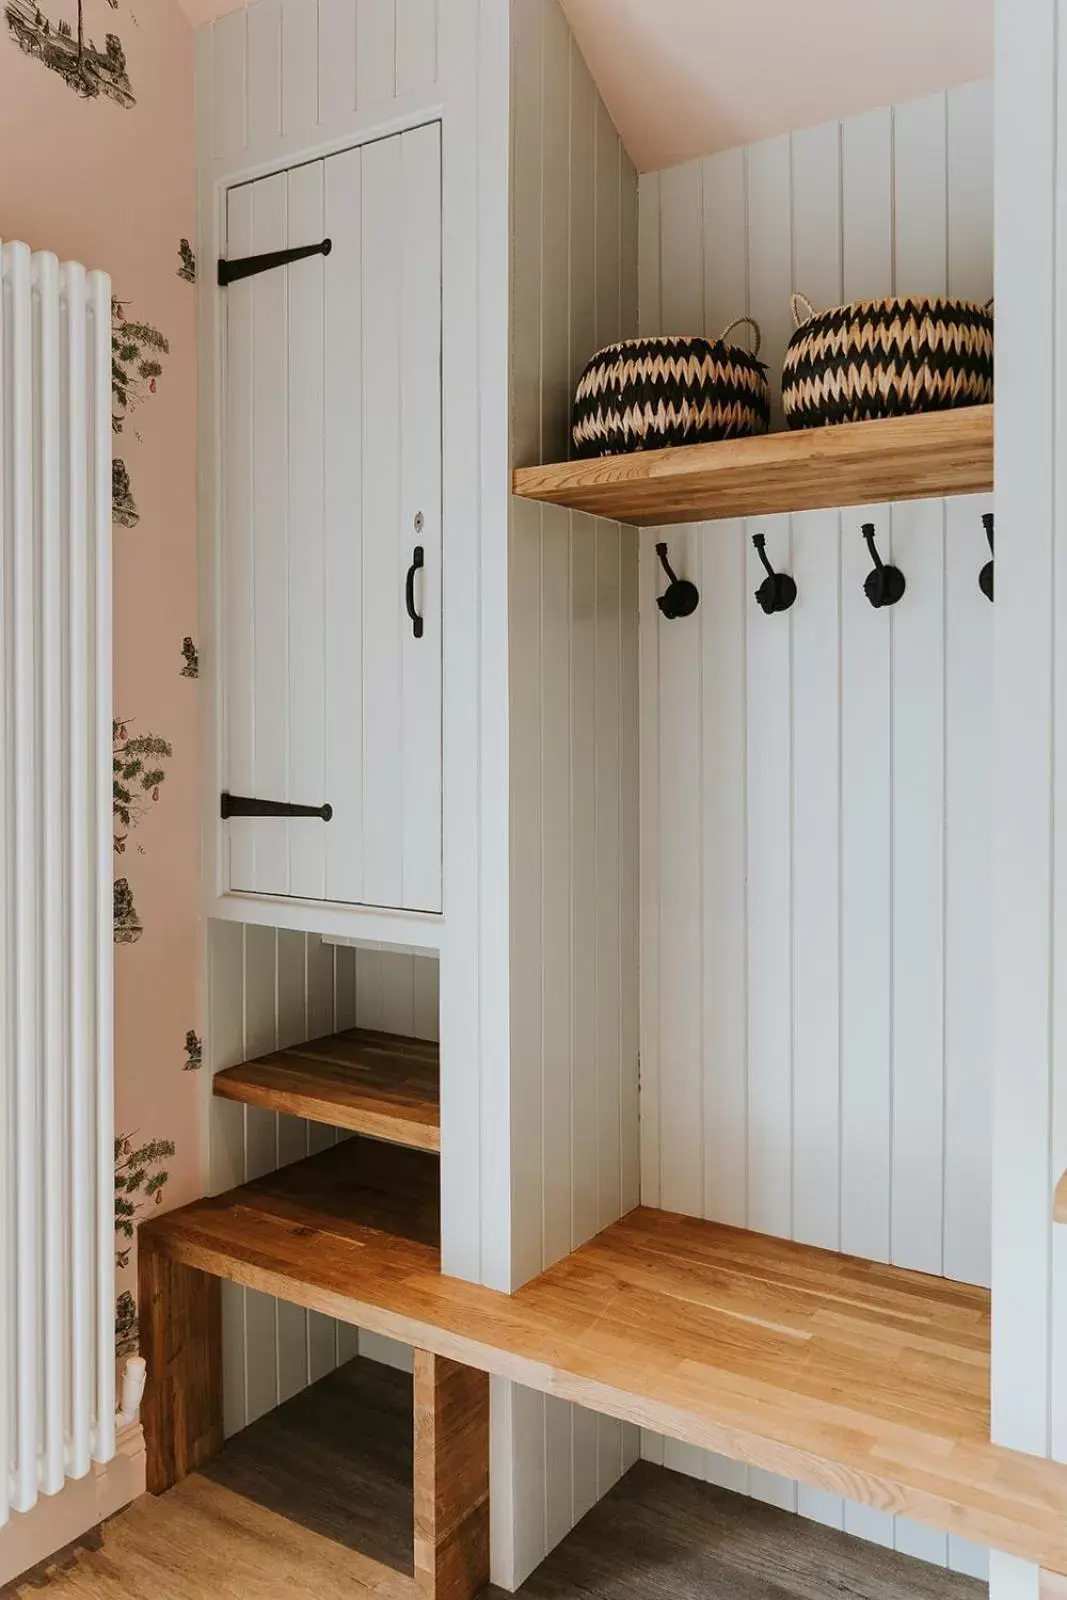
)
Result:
{"points": [[57, 1521]]}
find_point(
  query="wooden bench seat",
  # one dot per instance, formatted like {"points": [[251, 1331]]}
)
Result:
{"points": [[866, 1380]]}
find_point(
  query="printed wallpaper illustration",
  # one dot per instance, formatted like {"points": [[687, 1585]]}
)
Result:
{"points": [[62, 46], [112, 185]]}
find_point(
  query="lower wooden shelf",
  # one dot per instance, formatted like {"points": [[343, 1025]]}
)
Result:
{"points": [[373, 1083], [866, 1380]]}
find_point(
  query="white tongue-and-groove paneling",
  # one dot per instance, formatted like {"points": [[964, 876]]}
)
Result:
{"points": [[573, 762], [816, 834], [281, 73]]}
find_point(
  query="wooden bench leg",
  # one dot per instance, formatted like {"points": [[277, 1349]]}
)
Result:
{"points": [[451, 1479], [181, 1340]]}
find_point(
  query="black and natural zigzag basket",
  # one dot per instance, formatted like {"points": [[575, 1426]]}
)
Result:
{"points": [[646, 394], [886, 358]]}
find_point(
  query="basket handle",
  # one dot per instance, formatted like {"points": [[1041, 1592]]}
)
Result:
{"points": [[739, 322], [799, 303], [989, 304]]}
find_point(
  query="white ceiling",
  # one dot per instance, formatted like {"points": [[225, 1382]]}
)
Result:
{"points": [[684, 78]]}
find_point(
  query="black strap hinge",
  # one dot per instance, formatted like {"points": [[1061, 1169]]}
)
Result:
{"points": [[249, 266], [240, 805]]}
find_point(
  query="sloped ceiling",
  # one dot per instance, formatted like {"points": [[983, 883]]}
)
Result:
{"points": [[684, 78], [199, 11]]}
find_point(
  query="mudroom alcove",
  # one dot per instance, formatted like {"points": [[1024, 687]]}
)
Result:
{"points": [[601, 998]]}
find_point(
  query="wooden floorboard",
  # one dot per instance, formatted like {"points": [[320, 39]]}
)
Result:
{"points": [[203, 1542], [371, 1083], [254, 1528], [661, 1536], [862, 1379], [337, 1459]]}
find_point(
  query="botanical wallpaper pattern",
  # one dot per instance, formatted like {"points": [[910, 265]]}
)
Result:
{"points": [[137, 351], [65, 48], [96, 105]]}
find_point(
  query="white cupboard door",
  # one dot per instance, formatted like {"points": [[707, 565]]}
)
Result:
{"points": [[331, 566]]}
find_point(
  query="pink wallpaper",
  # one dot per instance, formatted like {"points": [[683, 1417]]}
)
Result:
{"points": [[97, 134]]}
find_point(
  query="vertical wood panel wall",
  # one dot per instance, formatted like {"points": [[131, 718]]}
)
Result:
{"points": [[815, 787], [573, 617], [268, 988], [573, 752], [278, 73]]}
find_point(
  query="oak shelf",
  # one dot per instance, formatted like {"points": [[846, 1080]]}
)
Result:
{"points": [[863, 1379], [858, 463], [373, 1083]]}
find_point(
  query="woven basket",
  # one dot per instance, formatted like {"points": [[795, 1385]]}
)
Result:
{"points": [[886, 358], [646, 394]]}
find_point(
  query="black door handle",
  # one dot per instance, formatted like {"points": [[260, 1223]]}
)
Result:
{"points": [[418, 561], [240, 805]]}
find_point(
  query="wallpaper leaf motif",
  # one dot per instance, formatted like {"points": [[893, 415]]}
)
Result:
{"points": [[123, 506], [136, 777], [186, 262], [136, 365], [65, 50], [194, 1052], [191, 658], [128, 925], [140, 1178], [125, 1324]]}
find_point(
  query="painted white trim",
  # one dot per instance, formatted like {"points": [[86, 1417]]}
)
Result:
{"points": [[1029, 1373], [360, 924], [1031, 363], [57, 1521]]}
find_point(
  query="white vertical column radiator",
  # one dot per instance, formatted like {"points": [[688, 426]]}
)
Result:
{"points": [[57, 1295]]}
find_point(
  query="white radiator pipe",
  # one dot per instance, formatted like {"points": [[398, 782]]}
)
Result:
{"points": [[99, 499], [134, 1374], [54, 804], [83, 873], [23, 896]]}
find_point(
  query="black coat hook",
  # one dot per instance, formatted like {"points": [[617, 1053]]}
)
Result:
{"points": [[777, 592], [885, 585], [985, 577], [682, 597]]}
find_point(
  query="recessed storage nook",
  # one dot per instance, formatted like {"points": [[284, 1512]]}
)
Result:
{"points": [[623, 1031]]}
